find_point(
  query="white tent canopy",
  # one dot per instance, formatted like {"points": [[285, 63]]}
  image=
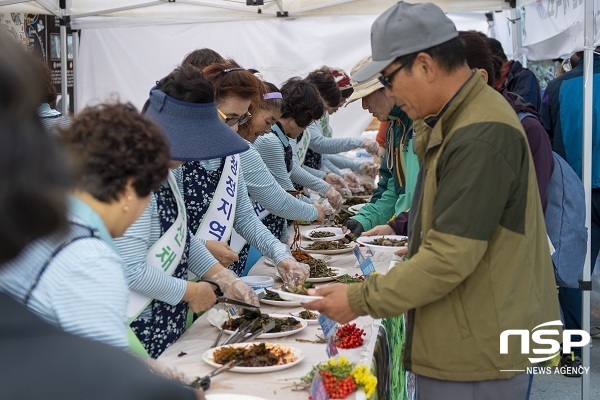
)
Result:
{"points": [[220, 10], [116, 58]]}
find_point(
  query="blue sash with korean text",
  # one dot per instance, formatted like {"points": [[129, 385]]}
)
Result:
{"points": [[166, 253], [217, 222]]}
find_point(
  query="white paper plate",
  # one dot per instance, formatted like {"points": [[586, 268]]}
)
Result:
{"points": [[229, 396], [301, 298], [272, 335], [283, 303], [209, 359], [308, 321], [336, 251], [336, 273], [356, 208], [338, 234], [366, 240]]}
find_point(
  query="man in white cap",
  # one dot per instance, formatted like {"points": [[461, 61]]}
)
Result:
{"points": [[399, 164], [479, 259]]}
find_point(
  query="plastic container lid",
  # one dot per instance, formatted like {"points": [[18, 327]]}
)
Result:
{"points": [[258, 282]]}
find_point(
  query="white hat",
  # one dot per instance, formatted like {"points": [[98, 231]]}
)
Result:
{"points": [[363, 89]]}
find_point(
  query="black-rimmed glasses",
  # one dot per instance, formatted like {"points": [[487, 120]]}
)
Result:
{"points": [[387, 79], [235, 120]]}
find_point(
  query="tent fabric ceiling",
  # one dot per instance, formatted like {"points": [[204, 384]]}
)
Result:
{"points": [[219, 10]]}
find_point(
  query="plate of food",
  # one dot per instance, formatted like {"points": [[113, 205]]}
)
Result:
{"points": [[324, 234], [320, 272], [296, 293], [273, 299], [285, 325], [341, 217], [300, 256], [254, 358], [311, 317], [384, 243], [356, 208], [332, 247]]}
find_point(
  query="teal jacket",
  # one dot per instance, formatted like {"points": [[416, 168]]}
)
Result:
{"points": [[396, 185]]}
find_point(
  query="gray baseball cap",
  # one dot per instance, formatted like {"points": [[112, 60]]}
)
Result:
{"points": [[405, 29]]}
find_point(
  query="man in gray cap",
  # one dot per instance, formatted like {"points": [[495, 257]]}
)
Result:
{"points": [[479, 259]]}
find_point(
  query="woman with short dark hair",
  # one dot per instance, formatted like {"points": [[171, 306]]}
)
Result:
{"points": [[302, 104], [76, 280]]}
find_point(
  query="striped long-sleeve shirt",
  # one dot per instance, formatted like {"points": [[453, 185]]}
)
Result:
{"points": [[326, 145], [264, 189], [245, 222], [83, 289], [335, 162], [153, 282], [304, 178]]}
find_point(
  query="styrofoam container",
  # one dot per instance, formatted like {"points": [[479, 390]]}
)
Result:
{"points": [[258, 282]]}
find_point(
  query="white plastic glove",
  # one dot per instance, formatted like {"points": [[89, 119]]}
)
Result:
{"points": [[352, 179], [292, 272], [371, 146], [233, 287], [334, 197], [335, 180], [327, 208], [357, 189], [345, 192], [320, 213], [370, 169]]}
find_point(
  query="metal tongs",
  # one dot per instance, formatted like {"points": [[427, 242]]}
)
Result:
{"points": [[221, 298], [266, 328], [242, 330], [204, 382]]}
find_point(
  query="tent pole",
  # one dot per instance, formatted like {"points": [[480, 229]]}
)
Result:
{"points": [[63, 67], [588, 83], [75, 65], [64, 20]]}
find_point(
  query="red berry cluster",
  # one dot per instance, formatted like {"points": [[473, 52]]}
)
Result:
{"points": [[361, 277], [337, 388], [349, 337]]}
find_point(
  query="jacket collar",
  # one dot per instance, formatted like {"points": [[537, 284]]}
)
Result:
{"points": [[396, 113], [429, 130], [81, 212]]}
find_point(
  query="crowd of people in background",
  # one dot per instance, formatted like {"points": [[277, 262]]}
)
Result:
{"points": [[119, 225]]}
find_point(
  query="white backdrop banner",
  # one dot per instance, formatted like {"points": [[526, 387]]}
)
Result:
{"points": [[554, 28], [126, 62]]}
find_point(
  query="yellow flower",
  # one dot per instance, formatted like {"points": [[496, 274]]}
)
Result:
{"points": [[364, 378]]}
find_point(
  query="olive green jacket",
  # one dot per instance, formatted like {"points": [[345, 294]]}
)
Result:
{"points": [[480, 259]]}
